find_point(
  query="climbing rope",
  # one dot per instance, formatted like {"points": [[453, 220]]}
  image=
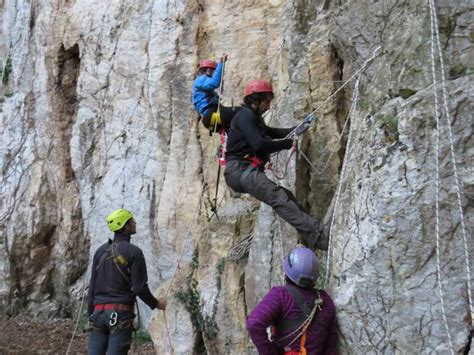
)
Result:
{"points": [[280, 49], [269, 165], [345, 83], [298, 332], [222, 141], [437, 183], [345, 163], [449, 121], [239, 250], [435, 38], [76, 326], [191, 223], [355, 75]]}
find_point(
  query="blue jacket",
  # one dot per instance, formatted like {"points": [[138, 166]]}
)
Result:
{"points": [[204, 94]]}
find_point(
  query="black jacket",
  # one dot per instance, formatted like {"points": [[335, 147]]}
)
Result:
{"points": [[250, 136], [109, 285]]}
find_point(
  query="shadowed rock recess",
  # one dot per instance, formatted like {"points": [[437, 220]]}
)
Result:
{"points": [[96, 115]]}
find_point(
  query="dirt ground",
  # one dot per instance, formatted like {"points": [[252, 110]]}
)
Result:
{"points": [[27, 336]]}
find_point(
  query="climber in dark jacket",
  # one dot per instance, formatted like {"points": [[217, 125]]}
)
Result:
{"points": [[249, 145], [118, 276], [281, 309], [205, 98]]}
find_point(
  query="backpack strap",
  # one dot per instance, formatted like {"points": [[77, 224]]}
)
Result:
{"points": [[119, 260], [287, 325], [111, 253], [303, 343]]}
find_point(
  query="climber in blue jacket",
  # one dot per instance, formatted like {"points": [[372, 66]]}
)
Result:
{"points": [[205, 98]]}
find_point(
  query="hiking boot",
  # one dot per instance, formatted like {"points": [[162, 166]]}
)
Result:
{"points": [[319, 238]]}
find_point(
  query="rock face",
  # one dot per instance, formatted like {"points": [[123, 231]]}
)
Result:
{"points": [[96, 115]]}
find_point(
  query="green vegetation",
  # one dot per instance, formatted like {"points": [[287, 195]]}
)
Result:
{"points": [[6, 70], [366, 106], [447, 24], [457, 70], [390, 126], [190, 297], [405, 93], [141, 336]]}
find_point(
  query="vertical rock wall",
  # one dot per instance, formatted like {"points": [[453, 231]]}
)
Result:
{"points": [[96, 115]]}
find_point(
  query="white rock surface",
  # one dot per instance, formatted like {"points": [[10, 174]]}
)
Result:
{"points": [[96, 115]]}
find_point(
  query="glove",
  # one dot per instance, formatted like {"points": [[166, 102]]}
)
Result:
{"points": [[302, 128], [308, 118]]}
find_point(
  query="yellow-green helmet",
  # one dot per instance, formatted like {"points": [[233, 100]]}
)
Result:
{"points": [[117, 219]]}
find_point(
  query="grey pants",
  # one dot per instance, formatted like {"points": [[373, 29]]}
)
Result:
{"points": [[240, 176]]}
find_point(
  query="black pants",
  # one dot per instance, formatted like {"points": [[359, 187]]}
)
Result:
{"points": [[227, 113], [240, 176]]}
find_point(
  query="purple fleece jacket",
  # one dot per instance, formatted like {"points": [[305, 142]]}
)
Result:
{"points": [[278, 304]]}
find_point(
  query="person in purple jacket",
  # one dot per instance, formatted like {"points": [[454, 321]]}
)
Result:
{"points": [[303, 318]]}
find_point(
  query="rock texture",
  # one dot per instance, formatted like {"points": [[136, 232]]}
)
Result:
{"points": [[96, 115]]}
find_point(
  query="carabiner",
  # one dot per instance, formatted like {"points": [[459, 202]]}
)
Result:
{"points": [[113, 319]]}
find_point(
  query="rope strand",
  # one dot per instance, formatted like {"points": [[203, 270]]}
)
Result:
{"points": [[449, 121], [345, 163]]}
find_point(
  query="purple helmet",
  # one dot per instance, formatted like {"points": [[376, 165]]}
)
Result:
{"points": [[302, 267]]}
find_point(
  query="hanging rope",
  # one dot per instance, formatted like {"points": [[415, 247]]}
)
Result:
{"points": [[239, 250], [449, 121], [222, 141], [355, 75], [280, 49], [76, 326], [435, 38], [188, 233], [437, 187], [345, 83], [345, 163], [269, 165]]}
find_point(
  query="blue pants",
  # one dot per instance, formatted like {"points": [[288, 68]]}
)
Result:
{"points": [[114, 339]]}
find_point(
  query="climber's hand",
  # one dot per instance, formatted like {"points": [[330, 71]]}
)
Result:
{"points": [[224, 58], [161, 304], [300, 129], [309, 118]]}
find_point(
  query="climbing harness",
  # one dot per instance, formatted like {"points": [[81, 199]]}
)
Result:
{"points": [[300, 325]]}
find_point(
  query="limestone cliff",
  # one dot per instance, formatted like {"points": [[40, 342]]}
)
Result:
{"points": [[96, 115]]}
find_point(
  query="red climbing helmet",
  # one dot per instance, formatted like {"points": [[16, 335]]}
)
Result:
{"points": [[207, 63], [255, 86]]}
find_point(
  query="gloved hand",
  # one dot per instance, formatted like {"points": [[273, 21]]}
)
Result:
{"points": [[302, 128], [308, 118]]}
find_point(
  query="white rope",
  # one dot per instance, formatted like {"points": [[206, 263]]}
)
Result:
{"points": [[449, 121], [345, 163], [355, 75], [76, 326], [437, 179], [188, 233], [333, 151], [280, 48]]}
